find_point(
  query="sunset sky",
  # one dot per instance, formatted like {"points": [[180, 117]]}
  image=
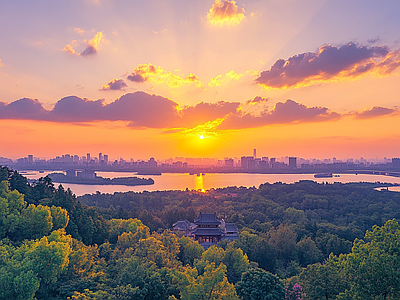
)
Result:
{"points": [[135, 79]]}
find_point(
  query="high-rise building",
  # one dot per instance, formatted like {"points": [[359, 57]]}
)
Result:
{"points": [[105, 157], [263, 164], [396, 163], [88, 157], [152, 163], [255, 153], [100, 157], [30, 159], [247, 163], [272, 162], [292, 162], [229, 163]]}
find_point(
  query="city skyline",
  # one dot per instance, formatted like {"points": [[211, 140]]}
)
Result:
{"points": [[103, 159], [200, 79]]}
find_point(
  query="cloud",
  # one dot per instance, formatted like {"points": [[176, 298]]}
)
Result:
{"points": [[221, 79], [256, 106], [329, 63], [91, 46], [25, 108], [375, 112], [142, 110], [151, 73], [75, 109], [1, 63], [79, 30], [225, 12], [114, 85], [70, 49], [256, 100], [139, 109], [283, 113], [204, 112]]}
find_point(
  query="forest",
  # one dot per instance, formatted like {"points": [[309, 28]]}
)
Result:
{"points": [[297, 241]]}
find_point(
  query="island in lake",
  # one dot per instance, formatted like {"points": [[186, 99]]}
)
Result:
{"points": [[91, 178]]}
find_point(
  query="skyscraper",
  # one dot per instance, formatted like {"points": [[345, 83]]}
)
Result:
{"points": [[255, 153], [292, 162]]}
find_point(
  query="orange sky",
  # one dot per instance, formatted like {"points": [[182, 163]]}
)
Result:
{"points": [[290, 78]]}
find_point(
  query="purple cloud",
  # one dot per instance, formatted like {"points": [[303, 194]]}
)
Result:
{"points": [[204, 112], [375, 112], [114, 85], [75, 109], [257, 100], [25, 108], [284, 113], [136, 78], [349, 60], [142, 110]]}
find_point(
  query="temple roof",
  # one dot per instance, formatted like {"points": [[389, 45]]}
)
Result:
{"points": [[231, 228], [181, 225], [207, 232], [207, 219]]}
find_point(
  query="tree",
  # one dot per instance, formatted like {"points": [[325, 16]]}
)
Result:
{"points": [[257, 284], [32, 269], [189, 250], [119, 226], [322, 281], [283, 239], [212, 285], [373, 266], [307, 252]]}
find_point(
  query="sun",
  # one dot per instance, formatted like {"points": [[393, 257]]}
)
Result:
{"points": [[201, 137]]}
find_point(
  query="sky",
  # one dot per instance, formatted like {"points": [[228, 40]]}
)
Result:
{"points": [[200, 78]]}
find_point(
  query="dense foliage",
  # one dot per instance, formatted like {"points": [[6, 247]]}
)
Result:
{"points": [[53, 247], [284, 227]]}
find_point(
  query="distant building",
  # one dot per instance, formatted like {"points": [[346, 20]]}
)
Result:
{"points": [[86, 174], [272, 162], [207, 229], [152, 163], [184, 227], [396, 163], [71, 173], [255, 153], [231, 232], [229, 163], [262, 164], [292, 162], [247, 163]]}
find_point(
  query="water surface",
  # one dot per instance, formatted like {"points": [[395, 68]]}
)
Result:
{"points": [[183, 181]]}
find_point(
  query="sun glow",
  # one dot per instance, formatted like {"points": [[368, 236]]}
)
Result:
{"points": [[201, 137]]}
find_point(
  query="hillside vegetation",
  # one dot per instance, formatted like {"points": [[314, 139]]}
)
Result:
{"points": [[297, 241]]}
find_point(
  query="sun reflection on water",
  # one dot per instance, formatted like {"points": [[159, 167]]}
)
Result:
{"points": [[199, 183]]}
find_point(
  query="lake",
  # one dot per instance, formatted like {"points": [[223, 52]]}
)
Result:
{"points": [[182, 181]]}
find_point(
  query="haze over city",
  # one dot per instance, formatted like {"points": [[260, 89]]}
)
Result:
{"points": [[200, 78]]}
